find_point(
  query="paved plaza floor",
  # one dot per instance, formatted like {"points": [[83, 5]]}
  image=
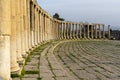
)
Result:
{"points": [[75, 60]]}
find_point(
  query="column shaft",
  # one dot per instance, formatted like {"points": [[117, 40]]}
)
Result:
{"points": [[88, 31], [67, 30], [99, 32], [84, 34], [13, 57], [5, 32], [22, 27], [108, 31], [92, 27], [18, 34], [103, 32], [76, 31], [70, 30], [73, 31], [96, 32]]}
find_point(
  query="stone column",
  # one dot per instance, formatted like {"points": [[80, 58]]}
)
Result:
{"points": [[67, 30], [40, 40], [60, 29], [38, 26], [108, 31], [70, 30], [64, 30], [80, 30], [5, 32], [96, 31], [28, 39], [50, 28], [92, 27], [45, 29], [76, 31], [103, 32], [41, 27], [32, 24], [26, 21], [13, 56], [88, 31], [73, 31], [35, 33], [84, 34], [56, 30], [99, 32], [18, 34], [22, 27]]}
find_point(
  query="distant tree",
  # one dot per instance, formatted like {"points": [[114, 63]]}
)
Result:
{"points": [[56, 15], [111, 30]]}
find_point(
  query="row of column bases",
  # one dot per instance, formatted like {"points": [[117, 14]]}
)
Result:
{"points": [[24, 25]]}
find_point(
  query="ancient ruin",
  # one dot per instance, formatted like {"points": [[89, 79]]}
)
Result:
{"points": [[24, 25]]}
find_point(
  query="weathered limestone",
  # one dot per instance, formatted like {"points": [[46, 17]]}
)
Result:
{"points": [[5, 32], [26, 25], [13, 55], [32, 23], [22, 26], [18, 35]]}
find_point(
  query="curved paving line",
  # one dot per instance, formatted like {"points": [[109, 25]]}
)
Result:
{"points": [[86, 51]]}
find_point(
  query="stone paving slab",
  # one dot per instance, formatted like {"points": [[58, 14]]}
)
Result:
{"points": [[93, 60], [76, 60]]}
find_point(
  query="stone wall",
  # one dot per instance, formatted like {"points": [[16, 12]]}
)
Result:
{"points": [[24, 25]]}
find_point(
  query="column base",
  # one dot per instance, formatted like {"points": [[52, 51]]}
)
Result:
{"points": [[20, 59], [15, 68]]}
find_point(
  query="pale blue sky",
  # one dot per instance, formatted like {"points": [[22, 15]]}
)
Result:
{"points": [[94, 11]]}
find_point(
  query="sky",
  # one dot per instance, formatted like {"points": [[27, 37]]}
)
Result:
{"points": [[93, 11]]}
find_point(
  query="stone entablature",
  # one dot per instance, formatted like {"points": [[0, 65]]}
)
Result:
{"points": [[24, 25]]}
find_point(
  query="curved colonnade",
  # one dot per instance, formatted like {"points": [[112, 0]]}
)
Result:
{"points": [[24, 25]]}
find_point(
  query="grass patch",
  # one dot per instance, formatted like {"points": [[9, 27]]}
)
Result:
{"points": [[22, 73], [117, 45], [15, 76], [32, 72], [39, 78]]}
